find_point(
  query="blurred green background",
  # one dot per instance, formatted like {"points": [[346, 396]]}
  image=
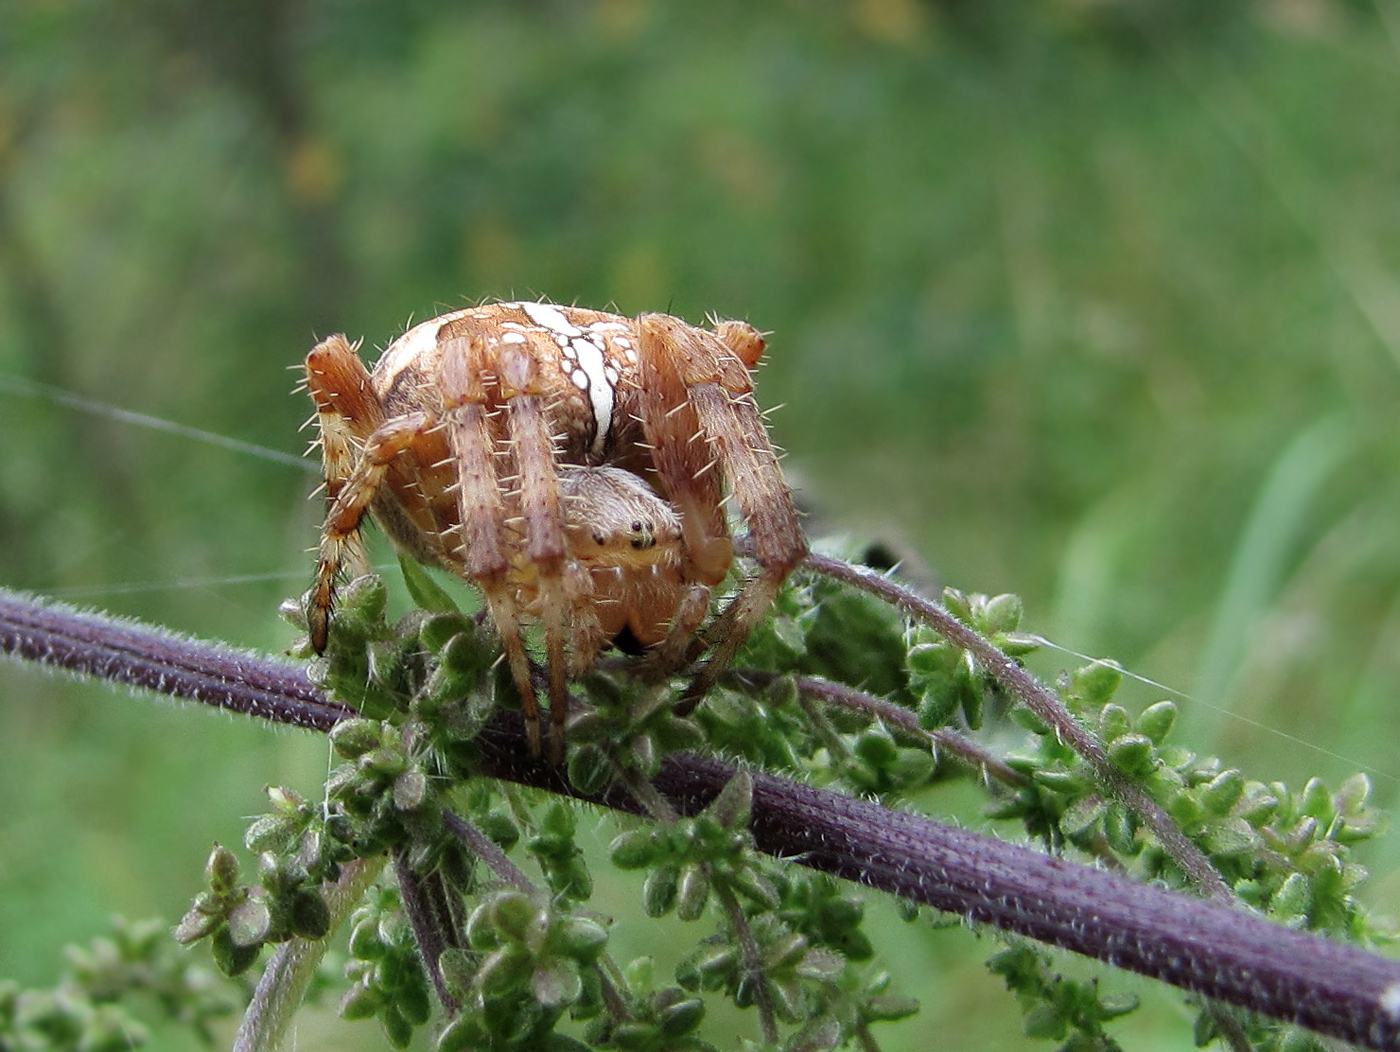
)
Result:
{"points": [[1090, 300]]}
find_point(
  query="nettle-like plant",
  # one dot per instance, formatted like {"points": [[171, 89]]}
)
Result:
{"points": [[448, 852]]}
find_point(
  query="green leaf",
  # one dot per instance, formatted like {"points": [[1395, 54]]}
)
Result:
{"points": [[426, 593]]}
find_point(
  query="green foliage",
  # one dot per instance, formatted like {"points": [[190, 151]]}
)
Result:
{"points": [[108, 986], [1057, 1008], [1286, 852], [523, 961]]}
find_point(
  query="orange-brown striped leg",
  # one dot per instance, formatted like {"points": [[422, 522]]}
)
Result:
{"points": [[685, 465], [755, 480], [541, 506], [347, 413], [714, 370], [466, 378], [348, 510]]}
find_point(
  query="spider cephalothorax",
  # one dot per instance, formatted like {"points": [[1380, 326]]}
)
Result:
{"points": [[573, 464]]}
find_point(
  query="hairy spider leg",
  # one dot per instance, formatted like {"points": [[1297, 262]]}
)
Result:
{"points": [[541, 506], [714, 369], [682, 462], [484, 552], [348, 511], [339, 384]]}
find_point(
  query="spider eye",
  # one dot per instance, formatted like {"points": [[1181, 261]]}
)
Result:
{"points": [[598, 538], [636, 527]]}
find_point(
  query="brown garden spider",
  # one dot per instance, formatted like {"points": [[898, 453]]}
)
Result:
{"points": [[573, 465]]}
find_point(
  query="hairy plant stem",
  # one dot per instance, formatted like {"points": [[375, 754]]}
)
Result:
{"points": [[1203, 946], [428, 915], [486, 849], [753, 962], [282, 986]]}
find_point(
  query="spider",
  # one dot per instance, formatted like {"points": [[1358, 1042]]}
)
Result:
{"points": [[570, 463]]}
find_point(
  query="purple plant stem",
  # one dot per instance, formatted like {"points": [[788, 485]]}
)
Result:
{"points": [[136, 655], [1200, 945]]}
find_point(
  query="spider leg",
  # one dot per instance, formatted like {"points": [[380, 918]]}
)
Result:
{"points": [[347, 412], [346, 512], [683, 461], [541, 505], [481, 506], [714, 370]]}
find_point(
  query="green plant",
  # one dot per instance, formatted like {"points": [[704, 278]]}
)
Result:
{"points": [[485, 910]]}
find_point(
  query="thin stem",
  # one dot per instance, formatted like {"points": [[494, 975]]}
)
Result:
{"points": [[282, 986], [423, 905], [753, 962], [839, 694], [1208, 948], [486, 849], [1046, 706]]}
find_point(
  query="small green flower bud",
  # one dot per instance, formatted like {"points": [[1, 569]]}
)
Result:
{"points": [[958, 605], [231, 958], [659, 891], [413, 1000], [355, 737], [1114, 722], [1317, 801], [410, 789], [364, 941], [877, 749], [249, 923], [500, 828], [590, 771], [1081, 815], [387, 763], [272, 833], [581, 938], [1096, 683], [1157, 721], [887, 1008], [1002, 614], [195, 925], [439, 630], [363, 602], [1222, 792], [310, 917], [480, 930], [681, 1017], [513, 914], [556, 983], [1132, 754], [692, 892], [1293, 898], [1257, 804], [785, 951], [397, 1027], [633, 849], [463, 1034], [501, 970], [221, 871]]}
